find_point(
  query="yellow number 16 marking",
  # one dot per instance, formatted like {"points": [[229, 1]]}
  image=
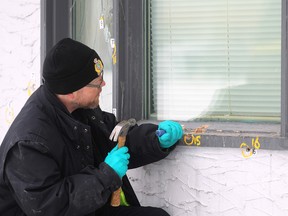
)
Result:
{"points": [[247, 151]]}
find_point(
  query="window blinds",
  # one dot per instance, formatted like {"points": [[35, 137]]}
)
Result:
{"points": [[215, 59]]}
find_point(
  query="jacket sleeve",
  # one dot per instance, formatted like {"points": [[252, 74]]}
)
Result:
{"points": [[35, 179], [144, 146]]}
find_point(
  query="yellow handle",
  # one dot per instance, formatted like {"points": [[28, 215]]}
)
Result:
{"points": [[115, 199], [121, 141]]}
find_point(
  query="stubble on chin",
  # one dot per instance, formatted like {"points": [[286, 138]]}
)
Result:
{"points": [[93, 105]]}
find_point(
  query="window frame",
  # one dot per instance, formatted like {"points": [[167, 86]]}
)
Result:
{"points": [[56, 23], [130, 92], [271, 136], [284, 71]]}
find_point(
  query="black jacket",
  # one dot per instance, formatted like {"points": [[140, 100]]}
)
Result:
{"points": [[52, 161]]}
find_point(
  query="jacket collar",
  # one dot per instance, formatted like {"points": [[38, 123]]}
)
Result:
{"points": [[63, 118]]}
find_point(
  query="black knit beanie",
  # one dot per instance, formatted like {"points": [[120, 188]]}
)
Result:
{"points": [[69, 66]]}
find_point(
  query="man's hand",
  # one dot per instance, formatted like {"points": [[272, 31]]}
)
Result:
{"points": [[117, 159], [173, 132]]}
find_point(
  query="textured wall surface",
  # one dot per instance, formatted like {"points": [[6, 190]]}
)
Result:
{"points": [[199, 181], [19, 56]]}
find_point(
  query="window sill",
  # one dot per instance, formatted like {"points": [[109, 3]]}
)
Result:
{"points": [[249, 136]]}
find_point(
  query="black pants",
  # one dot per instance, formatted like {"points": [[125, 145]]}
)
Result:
{"points": [[135, 211]]}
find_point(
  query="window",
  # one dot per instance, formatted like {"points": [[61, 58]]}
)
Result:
{"points": [[215, 60], [238, 53]]}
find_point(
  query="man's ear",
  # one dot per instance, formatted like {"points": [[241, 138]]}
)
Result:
{"points": [[72, 96], [69, 100]]}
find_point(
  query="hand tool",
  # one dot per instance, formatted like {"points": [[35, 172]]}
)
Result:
{"points": [[200, 129], [160, 132], [119, 133]]}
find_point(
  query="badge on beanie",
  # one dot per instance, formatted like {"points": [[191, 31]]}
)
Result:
{"points": [[98, 66]]}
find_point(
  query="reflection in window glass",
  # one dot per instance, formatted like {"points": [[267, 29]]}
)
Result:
{"points": [[93, 26]]}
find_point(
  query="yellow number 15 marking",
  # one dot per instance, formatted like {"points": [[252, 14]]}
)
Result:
{"points": [[191, 139]]}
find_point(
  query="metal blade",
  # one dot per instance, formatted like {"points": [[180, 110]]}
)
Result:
{"points": [[121, 128], [116, 131]]}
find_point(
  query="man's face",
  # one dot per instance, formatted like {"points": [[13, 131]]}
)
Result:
{"points": [[88, 96]]}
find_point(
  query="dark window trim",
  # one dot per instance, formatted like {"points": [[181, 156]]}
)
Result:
{"points": [[284, 71], [129, 72], [55, 23]]}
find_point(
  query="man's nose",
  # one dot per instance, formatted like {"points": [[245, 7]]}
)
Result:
{"points": [[103, 83]]}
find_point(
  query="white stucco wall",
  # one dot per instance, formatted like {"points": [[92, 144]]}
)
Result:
{"points": [[196, 181], [19, 56], [192, 181]]}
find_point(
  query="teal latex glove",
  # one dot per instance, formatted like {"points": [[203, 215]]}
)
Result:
{"points": [[117, 159], [173, 132]]}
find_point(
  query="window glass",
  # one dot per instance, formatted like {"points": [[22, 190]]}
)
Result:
{"points": [[215, 60], [93, 26]]}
